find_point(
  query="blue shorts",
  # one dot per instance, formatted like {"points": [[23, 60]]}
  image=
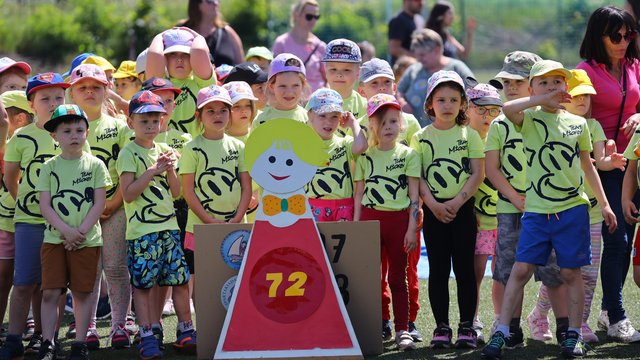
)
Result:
{"points": [[29, 239], [157, 258], [566, 232]]}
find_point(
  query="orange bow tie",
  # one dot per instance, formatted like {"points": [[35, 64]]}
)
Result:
{"points": [[273, 205]]}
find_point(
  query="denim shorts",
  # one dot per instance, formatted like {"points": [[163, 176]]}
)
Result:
{"points": [[29, 239]]}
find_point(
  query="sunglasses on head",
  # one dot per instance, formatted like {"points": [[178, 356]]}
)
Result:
{"points": [[616, 37], [310, 17]]}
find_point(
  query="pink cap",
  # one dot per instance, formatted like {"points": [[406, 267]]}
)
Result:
{"points": [[286, 62], [379, 100], [213, 93], [88, 71], [6, 63]]}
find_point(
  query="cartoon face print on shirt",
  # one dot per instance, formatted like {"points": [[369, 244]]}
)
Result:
{"points": [[485, 203], [283, 171], [70, 201], [377, 185], [510, 164], [108, 157], [31, 174], [158, 189], [214, 181], [445, 171], [185, 125], [333, 177]]}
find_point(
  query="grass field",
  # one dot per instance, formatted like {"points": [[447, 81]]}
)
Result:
{"points": [[533, 350]]}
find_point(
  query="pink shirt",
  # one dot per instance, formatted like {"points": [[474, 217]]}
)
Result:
{"points": [[286, 44], [605, 106]]}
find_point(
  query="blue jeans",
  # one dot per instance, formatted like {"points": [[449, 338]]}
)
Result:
{"points": [[616, 249]]}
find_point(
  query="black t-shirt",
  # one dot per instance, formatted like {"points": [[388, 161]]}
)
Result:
{"points": [[224, 53], [401, 28]]}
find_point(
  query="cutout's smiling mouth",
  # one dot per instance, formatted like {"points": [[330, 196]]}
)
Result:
{"points": [[278, 178]]}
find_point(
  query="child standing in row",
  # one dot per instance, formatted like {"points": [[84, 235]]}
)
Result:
{"points": [[72, 199], [256, 78], [387, 190], [13, 74], [452, 170]]}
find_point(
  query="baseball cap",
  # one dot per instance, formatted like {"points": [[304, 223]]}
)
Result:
{"points": [[248, 72], [286, 62], [213, 93], [103, 63], [375, 68], [324, 101], [379, 100], [517, 65], [155, 84], [146, 102], [126, 69], [16, 99], [342, 50], [45, 80], [239, 90], [223, 71], [580, 83], [259, 51], [177, 40], [65, 112], [88, 71], [484, 94], [440, 77], [6, 63], [75, 62], [141, 61], [549, 67]]}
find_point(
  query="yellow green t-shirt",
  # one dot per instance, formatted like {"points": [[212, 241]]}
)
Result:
{"points": [[216, 165], [446, 157], [7, 210], [334, 181], [269, 113], [107, 136], [595, 210], [174, 138], [184, 115], [507, 140], [629, 151], [552, 145], [152, 211], [72, 184], [242, 138], [410, 126], [386, 177], [355, 104], [485, 200]]}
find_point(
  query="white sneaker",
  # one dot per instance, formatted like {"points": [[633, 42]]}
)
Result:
{"points": [[405, 341], [168, 308], [623, 331], [494, 326], [603, 320], [477, 327]]}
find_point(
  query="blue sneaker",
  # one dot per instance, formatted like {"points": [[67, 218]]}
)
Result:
{"points": [[148, 348], [573, 346], [186, 341], [493, 349], [12, 348]]}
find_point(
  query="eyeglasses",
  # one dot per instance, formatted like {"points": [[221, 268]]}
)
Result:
{"points": [[481, 110], [310, 17], [212, 2], [616, 37]]}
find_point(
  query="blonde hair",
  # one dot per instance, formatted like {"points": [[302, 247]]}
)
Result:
{"points": [[426, 39], [375, 124], [253, 111], [298, 7], [286, 134], [270, 95]]}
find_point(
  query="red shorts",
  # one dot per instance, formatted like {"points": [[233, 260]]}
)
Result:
{"points": [[332, 210], [636, 245]]}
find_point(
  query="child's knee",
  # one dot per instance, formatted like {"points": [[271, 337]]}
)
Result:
{"points": [[571, 275], [51, 295], [521, 272]]}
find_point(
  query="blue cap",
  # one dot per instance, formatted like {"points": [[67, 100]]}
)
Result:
{"points": [[324, 101], [77, 61], [45, 80], [146, 102]]}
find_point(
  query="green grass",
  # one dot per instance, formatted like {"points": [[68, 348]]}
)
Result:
{"points": [[533, 350]]}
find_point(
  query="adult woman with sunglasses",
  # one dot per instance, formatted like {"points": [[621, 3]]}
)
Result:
{"points": [[610, 58], [224, 43], [301, 42]]}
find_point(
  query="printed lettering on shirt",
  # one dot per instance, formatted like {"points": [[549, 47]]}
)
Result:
{"points": [[376, 185]]}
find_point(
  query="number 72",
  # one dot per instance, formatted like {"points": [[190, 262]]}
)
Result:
{"points": [[297, 278]]}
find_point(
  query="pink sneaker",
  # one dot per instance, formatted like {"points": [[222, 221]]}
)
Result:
{"points": [[587, 334], [539, 326]]}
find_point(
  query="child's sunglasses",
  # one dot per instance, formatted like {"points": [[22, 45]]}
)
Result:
{"points": [[616, 37], [310, 17]]}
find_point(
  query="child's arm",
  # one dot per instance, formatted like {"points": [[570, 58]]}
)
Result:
{"points": [[593, 181], [72, 237], [493, 173], [12, 177], [132, 187], [4, 126], [156, 63], [245, 197], [439, 210], [199, 57], [469, 188], [360, 144], [112, 205], [629, 188], [358, 191], [410, 240], [607, 162], [513, 109], [99, 200], [188, 181]]}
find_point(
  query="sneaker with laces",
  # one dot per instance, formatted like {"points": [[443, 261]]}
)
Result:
{"points": [[33, 347], [603, 320], [441, 337], [477, 327], [79, 351], [148, 348], [573, 346], [71, 332], [168, 308], [29, 329], [493, 349], [467, 337], [413, 331], [93, 339], [494, 326], [47, 351], [539, 326], [12, 348], [386, 330], [623, 331], [186, 341], [515, 339], [404, 340], [587, 334], [119, 337], [130, 325]]}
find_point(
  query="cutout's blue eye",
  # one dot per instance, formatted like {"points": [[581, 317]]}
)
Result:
{"points": [[272, 159], [289, 162]]}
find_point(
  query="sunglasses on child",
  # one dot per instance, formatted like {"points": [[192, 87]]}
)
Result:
{"points": [[616, 37], [310, 17]]}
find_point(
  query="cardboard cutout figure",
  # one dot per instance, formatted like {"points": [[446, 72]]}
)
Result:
{"points": [[286, 302]]}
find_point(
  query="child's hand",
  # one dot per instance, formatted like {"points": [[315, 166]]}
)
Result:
{"points": [[213, 220], [629, 211], [453, 206], [72, 238], [630, 125], [609, 147], [618, 161], [518, 202], [410, 241], [347, 120], [254, 200], [610, 218], [442, 212], [555, 99]]}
